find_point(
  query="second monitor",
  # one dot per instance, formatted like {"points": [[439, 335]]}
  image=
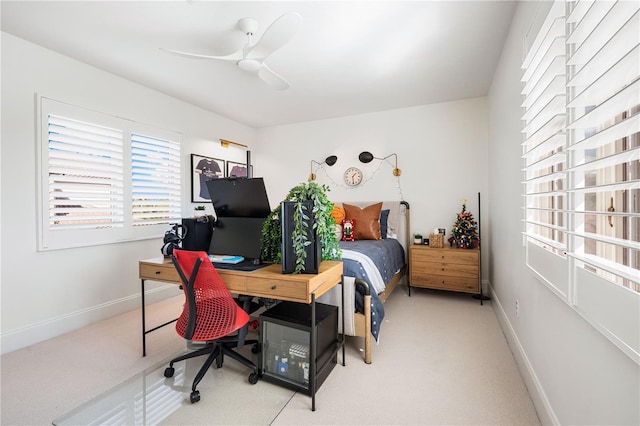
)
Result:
{"points": [[239, 197], [241, 207]]}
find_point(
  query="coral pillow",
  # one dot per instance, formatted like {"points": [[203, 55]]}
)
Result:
{"points": [[367, 220]]}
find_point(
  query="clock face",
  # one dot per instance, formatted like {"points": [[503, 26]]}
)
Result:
{"points": [[353, 176]]}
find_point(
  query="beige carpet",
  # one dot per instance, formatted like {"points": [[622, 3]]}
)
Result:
{"points": [[442, 359]]}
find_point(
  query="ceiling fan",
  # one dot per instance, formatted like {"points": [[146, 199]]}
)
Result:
{"points": [[252, 56]]}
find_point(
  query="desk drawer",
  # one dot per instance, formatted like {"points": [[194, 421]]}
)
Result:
{"points": [[278, 289], [166, 272], [235, 283]]}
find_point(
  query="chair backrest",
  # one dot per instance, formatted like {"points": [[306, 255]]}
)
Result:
{"points": [[210, 312]]}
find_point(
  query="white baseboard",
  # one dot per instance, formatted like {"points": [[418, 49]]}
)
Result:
{"points": [[38, 332], [538, 396]]}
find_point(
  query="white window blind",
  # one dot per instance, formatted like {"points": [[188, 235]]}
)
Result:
{"points": [[155, 180], [544, 122], [581, 153], [103, 177], [604, 138], [85, 171]]}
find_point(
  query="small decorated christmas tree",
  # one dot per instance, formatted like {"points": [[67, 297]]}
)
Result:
{"points": [[465, 229]]}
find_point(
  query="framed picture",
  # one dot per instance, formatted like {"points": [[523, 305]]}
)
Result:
{"points": [[204, 169], [236, 169]]}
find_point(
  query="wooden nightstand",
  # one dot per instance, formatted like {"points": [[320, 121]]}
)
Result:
{"points": [[444, 268]]}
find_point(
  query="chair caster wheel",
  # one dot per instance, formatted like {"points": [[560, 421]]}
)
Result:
{"points": [[253, 378], [168, 372], [194, 397]]}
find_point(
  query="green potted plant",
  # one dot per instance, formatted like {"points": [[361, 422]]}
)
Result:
{"points": [[199, 211], [417, 238], [323, 224]]}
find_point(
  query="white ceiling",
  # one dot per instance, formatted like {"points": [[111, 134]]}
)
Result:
{"points": [[348, 58]]}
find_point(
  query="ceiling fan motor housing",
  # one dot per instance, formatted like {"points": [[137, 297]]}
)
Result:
{"points": [[248, 25]]}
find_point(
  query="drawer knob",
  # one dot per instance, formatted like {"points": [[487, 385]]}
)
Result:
{"points": [[157, 272], [273, 287]]}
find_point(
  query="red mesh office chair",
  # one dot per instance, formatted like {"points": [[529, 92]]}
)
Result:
{"points": [[210, 315]]}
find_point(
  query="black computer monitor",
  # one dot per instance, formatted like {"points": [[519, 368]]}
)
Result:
{"points": [[241, 207], [237, 236], [239, 197]]}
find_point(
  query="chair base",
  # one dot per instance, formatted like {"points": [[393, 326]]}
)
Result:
{"points": [[216, 351]]}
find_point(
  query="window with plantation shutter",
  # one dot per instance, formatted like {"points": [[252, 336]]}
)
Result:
{"points": [[544, 153], [155, 180], [604, 138], [103, 177], [85, 179], [584, 206]]}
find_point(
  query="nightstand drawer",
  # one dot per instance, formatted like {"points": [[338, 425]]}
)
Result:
{"points": [[453, 269], [446, 256], [442, 282]]}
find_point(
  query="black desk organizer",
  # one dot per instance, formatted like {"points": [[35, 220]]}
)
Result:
{"points": [[285, 337]]}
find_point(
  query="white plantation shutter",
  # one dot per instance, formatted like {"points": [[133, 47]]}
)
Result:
{"points": [[85, 175], [543, 148], [604, 105], [581, 155], [155, 180], [100, 180]]}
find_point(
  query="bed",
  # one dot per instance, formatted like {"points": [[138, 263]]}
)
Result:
{"points": [[372, 270]]}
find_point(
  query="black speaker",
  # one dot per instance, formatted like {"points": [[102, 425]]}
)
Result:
{"points": [[197, 233], [313, 250]]}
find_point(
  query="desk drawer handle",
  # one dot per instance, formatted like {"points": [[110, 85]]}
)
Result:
{"points": [[158, 272], [273, 287]]}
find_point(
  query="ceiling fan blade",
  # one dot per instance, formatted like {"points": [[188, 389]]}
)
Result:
{"points": [[276, 36], [272, 79], [233, 57]]}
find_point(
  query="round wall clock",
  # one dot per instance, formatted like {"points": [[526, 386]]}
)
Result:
{"points": [[353, 176]]}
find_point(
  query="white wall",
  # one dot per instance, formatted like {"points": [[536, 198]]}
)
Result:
{"points": [[574, 374], [48, 293], [441, 148]]}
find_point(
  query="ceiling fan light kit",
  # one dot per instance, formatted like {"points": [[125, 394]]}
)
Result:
{"points": [[250, 65], [251, 57]]}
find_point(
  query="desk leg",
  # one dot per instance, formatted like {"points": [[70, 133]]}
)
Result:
{"points": [[312, 375], [342, 339], [144, 321], [144, 327]]}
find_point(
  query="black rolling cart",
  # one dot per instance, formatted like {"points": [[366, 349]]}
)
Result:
{"points": [[289, 343]]}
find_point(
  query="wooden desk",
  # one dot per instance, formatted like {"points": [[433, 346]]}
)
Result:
{"points": [[268, 282]]}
